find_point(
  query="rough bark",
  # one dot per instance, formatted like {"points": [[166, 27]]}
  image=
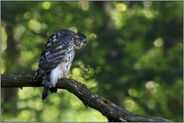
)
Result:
{"points": [[107, 108]]}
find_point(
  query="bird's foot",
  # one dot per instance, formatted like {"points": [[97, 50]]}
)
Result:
{"points": [[53, 90]]}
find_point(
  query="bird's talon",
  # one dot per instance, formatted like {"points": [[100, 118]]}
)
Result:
{"points": [[53, 90]]}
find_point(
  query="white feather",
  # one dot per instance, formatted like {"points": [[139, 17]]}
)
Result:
{"points": [[62, 69], [56, 74]]}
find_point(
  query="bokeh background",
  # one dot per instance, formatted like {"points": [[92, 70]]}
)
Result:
{"points": [[133, 57]]}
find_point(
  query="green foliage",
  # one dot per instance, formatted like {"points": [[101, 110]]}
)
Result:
{"points": [[133, 57]]}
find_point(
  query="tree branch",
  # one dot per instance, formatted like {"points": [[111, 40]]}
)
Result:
{"points": [[107, 108]]}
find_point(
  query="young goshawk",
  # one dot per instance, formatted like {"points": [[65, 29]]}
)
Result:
{"points": [[57, 56]]}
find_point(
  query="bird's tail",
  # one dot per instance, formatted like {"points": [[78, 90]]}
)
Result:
{"points": [[46, 87]]}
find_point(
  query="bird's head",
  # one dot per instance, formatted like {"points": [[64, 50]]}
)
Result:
{"points": [[80, 40]]}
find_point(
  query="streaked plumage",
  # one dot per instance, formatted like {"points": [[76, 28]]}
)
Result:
{"points": [[57, 56]]}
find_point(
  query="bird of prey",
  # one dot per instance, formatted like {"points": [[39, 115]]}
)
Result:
{"points": [[57, 56]]}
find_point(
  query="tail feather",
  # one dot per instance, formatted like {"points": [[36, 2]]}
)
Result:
{"points": [[46, 87]]}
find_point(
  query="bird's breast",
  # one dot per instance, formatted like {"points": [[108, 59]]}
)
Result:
{"points": [[66, 64], [63, 67]]}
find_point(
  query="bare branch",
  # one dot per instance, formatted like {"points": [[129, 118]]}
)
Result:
{"points": [[107, 108]]}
